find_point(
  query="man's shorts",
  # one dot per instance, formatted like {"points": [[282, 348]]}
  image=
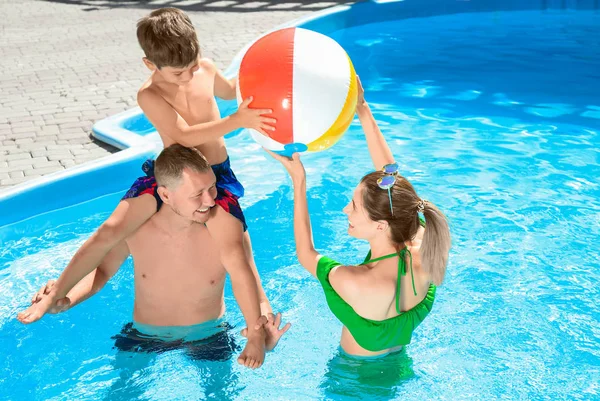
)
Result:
{"points": [[204, 341]]}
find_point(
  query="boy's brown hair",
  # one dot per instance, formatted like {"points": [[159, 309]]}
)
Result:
{"points": [[168, 38]]}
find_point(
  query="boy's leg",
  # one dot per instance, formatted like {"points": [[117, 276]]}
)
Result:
{"points": [[229, 190], [228, 234], [136, 207], [219, 347], [85, 288], [129, 215]]}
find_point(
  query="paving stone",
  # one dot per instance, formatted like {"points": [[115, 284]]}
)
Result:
{"points": [[91, 68]]}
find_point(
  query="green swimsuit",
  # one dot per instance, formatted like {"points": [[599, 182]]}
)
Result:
{"points": [[377, 335]]}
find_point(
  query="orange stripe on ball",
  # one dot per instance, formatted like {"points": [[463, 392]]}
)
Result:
{"points": [[268, 78]]}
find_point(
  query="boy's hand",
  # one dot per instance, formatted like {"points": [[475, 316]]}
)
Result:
{"points": [[253, 354], [44, 302], [272, 332], [254, 118]]}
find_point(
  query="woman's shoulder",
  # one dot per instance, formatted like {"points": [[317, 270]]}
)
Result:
{"points": [[355, 284]]}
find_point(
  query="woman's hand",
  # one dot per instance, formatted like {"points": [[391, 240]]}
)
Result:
{"points": [[361, 94], [378, 148], [293, 165]]}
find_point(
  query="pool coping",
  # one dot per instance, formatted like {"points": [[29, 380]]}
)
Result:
{"points": [[110, 129]]}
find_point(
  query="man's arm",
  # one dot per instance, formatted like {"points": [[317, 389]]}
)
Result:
{"points": [[265, 305], [228, 234], [129, 215], [97, 279], [46, 301]]}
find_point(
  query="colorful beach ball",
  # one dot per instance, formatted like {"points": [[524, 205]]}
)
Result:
{"points": [[308, 80]]}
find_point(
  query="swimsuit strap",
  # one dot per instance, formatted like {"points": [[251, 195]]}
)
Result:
{"points": [[367, 261], [401, 270]]}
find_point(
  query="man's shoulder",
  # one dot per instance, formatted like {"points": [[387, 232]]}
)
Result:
{"points": [[148, 229]]}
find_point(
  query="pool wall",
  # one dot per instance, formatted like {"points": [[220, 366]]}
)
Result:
{"points": [[115, 173]]}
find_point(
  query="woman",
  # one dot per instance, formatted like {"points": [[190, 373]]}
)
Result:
{"points": [[382, 300]]}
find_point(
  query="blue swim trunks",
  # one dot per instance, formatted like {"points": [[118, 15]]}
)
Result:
{"points": [[212, 340], [229, 189]]}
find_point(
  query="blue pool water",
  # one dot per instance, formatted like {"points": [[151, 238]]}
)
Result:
{"points": [[494, 117], [139, 124]]}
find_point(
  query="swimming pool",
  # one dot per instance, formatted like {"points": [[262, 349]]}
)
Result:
{"points": [[494, 116]]}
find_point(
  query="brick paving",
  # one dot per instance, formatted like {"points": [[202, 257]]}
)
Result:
{"points": [[67, 64]]}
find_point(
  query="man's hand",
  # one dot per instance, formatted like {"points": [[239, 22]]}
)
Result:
{"points": [[44, 302], [271, 325]]}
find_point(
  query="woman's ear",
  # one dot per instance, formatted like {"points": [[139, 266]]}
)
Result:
{"points": [[382, 225]]}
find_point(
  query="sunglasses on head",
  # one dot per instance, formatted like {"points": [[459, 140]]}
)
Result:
{"points": [[388, 180]]}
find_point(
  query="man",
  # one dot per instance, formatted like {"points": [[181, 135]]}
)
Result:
{"points": [[179, 276]]}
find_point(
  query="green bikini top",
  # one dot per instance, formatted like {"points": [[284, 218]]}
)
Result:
{"points": [[377, 335]]}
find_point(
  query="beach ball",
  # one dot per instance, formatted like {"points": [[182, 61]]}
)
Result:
{"points": [[308, 80]]}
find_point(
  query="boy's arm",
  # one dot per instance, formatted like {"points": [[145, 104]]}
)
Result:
{"points": [[378, 148], [224, 88], [305, 248], [168, 122]]}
